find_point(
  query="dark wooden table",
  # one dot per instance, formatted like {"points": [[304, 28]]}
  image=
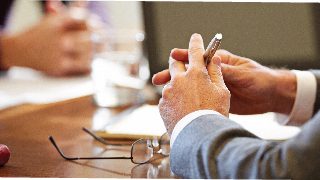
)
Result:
{"points": [[25, 130]]}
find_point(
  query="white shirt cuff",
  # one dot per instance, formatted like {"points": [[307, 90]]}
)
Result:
{"points": [[186, 120], [305, 98]]}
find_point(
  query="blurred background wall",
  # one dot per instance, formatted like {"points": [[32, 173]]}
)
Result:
{"points": [[277, 34]]}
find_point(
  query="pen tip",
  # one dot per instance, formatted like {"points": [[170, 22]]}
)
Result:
{"points": [[218, 36]]}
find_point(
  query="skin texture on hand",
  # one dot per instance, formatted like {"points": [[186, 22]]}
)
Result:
{"points": [[193, 88], [59, 45], [254, 88]]}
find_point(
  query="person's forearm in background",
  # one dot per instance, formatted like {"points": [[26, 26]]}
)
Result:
{"points": [[9, 52], [2, 66]]}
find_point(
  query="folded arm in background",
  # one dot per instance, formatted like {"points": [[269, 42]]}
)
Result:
{"points": [[210, 145]]}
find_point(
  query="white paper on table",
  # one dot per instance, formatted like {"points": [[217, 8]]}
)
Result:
{"points": [[23, 85], [265, 126], [146, 120]]}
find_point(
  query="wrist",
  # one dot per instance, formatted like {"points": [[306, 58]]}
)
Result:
{"points": [[11, 52], [2, 64], [285, 91], [7, 47]]}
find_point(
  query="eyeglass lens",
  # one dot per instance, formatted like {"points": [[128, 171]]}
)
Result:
{"points": [[165, 144], [142, 151]]}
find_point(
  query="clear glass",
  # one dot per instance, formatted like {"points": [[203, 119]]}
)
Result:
{"points": [[119, 68], [142, 151]]}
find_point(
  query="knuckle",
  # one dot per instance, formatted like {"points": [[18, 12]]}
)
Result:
{"points": [[195, 50], [177, 78], [161, 102], [222, 92], [173, 63], [166, 91], [170, 60], [226, 93], [197, 72], [222, 51], [250, 61]]}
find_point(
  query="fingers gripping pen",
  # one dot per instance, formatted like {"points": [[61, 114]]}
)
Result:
{"points": [[212, 48]]}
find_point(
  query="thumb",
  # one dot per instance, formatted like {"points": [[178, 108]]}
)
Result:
{"points": [[214, 70]]}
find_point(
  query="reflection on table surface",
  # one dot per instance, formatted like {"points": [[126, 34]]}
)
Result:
{"points": [[158, 168], [25, 130]]}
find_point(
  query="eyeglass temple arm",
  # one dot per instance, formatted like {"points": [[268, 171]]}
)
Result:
{"points": [[100, 139], [80, 158]]}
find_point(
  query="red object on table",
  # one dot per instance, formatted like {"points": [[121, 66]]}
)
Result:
{"points": [[4, 154]]}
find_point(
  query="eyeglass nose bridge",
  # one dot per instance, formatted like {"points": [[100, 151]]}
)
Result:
{"points": [[156, 145], [155, 142], [158, 149]]}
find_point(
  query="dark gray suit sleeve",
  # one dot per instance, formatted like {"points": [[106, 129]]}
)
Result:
{"points": [[213, 146], [316, 73]]}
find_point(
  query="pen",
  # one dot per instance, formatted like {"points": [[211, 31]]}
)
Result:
{"points": [[212, 48]]}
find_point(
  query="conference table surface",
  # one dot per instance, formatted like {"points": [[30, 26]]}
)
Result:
{"points": [[25, 130]]}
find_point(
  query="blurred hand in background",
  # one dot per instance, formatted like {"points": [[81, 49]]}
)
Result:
{"points": [[59, 45]]}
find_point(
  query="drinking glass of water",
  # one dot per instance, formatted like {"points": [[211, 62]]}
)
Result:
{"points": [[119, 68]]}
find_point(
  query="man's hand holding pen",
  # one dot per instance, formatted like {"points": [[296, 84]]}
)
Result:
{"points": [[193, 88], [254, 88]]}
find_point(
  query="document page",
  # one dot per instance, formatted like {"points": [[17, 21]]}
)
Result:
{"points": [[144, 121], [22, 85]]}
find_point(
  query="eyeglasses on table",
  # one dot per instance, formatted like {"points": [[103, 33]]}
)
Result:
{"points": [[142, 150]]}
